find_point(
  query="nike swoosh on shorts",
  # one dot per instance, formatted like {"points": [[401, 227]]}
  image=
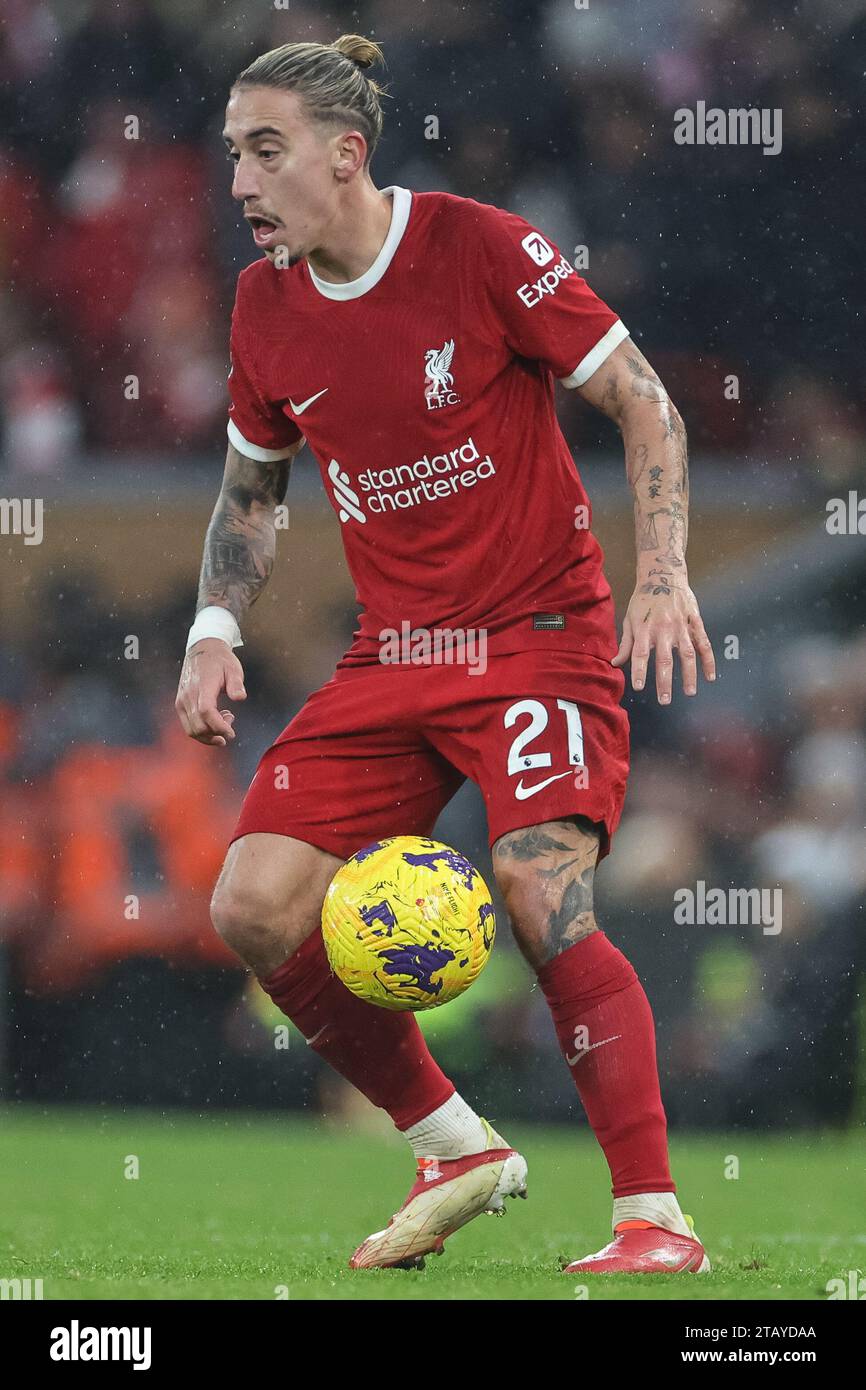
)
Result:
{"points": [[522, 792]]}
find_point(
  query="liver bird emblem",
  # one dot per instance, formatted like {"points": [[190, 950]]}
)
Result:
{"points": [[438, 361]]}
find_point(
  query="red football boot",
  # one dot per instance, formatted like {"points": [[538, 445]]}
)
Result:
{"points": [[447, 1193], [639, 1248]]}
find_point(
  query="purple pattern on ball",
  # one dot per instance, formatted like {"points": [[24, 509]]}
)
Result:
{"points": [[457, 863]]}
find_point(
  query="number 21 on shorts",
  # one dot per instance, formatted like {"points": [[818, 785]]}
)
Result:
{"points": [[520, 760]]}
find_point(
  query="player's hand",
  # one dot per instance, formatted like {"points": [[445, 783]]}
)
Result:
{"points": [[664, 620], [209, 668]]}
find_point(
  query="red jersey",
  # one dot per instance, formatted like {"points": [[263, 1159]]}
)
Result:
{"points": [[425, 390]]}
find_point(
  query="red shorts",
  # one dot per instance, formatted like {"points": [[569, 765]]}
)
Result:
{"points": [[380, 749]]}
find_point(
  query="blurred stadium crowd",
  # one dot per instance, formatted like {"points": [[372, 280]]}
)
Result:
{"points": [[119, 256]]}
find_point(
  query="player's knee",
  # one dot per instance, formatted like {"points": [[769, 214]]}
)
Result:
{"points": [[529, 892], [511, 880], [539, 864], [246, 920]]}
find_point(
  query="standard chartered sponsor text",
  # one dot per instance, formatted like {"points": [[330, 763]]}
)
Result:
{"points": [[425, 480]]}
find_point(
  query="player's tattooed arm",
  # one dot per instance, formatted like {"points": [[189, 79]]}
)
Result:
{"points": [[545, 873], [238, 558], [663, 614], [241, 539], [630, 393]]}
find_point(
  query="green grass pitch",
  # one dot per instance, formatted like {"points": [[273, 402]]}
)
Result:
{"points": [[234, 1206]]}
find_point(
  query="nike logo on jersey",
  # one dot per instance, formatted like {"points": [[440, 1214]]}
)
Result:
{"points": [[522, 792], [299, 409], [572, 1061]]}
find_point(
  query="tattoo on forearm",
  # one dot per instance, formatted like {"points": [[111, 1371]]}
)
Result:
{"points": [[648, 538], [610, 399], [657, 470], [661, 520], [241, 539], [636, 457], [675, 430], [644, 380]]}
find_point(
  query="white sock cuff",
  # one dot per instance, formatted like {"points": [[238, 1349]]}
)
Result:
{"points": [[661, 1208], [451, 1131]]}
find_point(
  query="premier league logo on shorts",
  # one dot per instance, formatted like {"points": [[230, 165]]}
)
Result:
{"points": [[437, 369]]}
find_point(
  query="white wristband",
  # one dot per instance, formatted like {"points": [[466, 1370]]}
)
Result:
{"points": [[215, 622]]}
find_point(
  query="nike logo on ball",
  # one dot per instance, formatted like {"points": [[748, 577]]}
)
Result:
{"points": [[299, 409], [522, 792]]}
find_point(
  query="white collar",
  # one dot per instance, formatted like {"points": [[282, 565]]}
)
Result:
{"points": [[401, 203]]}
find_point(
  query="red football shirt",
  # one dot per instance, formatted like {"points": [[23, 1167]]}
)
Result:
{"points": [[425, 390]]}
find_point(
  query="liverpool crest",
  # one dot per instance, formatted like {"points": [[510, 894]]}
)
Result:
{"points": [[438, 390]]}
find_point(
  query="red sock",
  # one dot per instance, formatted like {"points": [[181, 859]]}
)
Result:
{"points": [[592, 986], [382, 1053]]}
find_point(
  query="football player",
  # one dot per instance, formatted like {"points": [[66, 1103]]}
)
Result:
{"points": [[414, 341]]}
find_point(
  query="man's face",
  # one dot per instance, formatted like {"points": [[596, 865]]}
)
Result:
{"points": [[284, 169]]}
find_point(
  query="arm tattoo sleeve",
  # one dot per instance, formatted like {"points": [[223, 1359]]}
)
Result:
{"points": [[240, 543], [658, 474]]}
